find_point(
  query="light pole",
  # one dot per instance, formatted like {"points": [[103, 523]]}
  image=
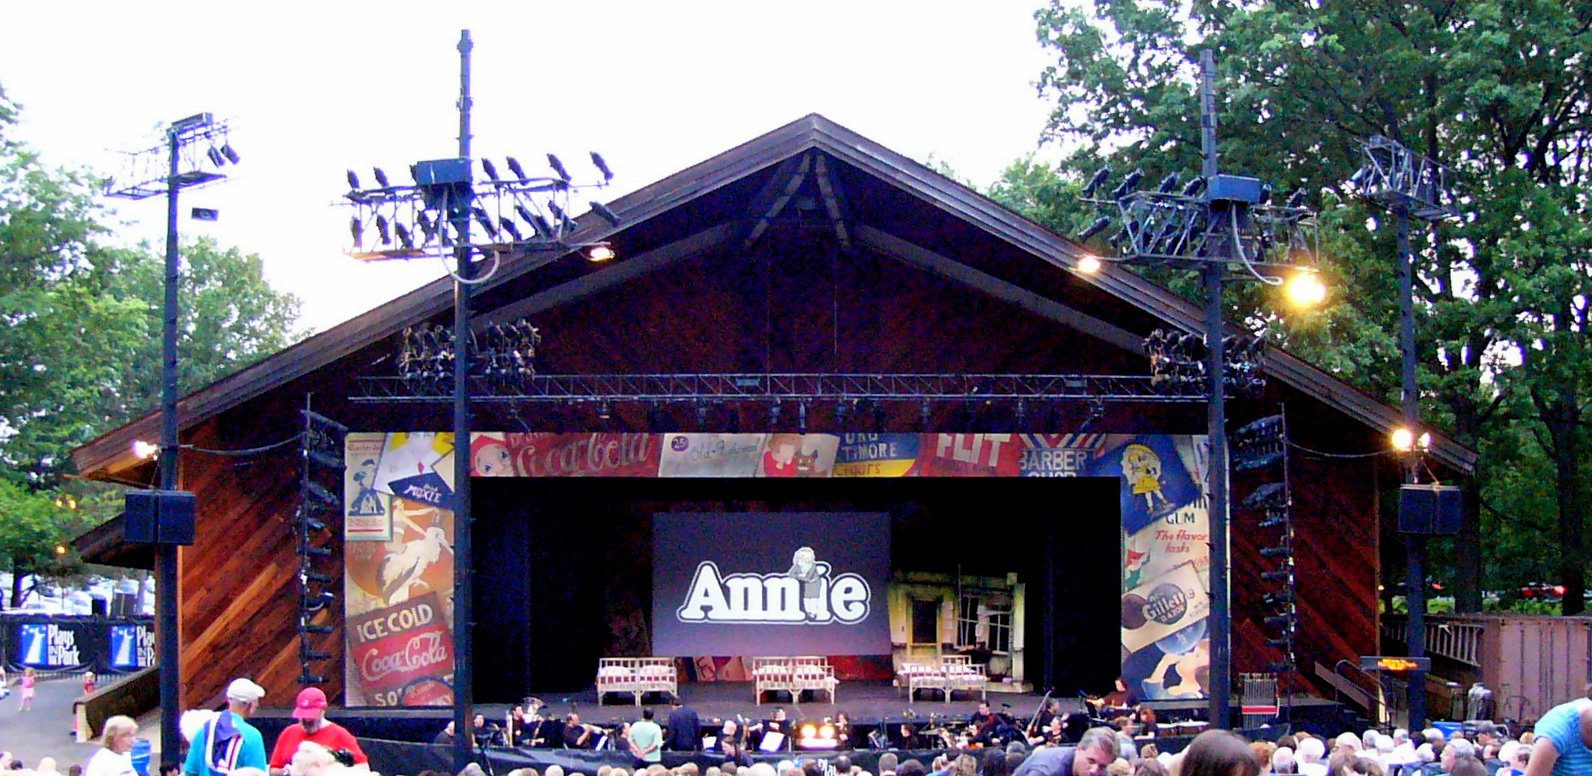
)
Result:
{"points": [[184, 169], [434, 215], [1411, 186], [1217, 223]]}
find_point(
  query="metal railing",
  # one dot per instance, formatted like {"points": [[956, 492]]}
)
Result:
{"points": [[1455, 640]]}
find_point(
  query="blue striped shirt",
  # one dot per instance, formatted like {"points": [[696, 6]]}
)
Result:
{"points": [[1562, 726]]}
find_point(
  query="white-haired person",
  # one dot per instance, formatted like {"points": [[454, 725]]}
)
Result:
{"points": [[1312, 755], [115, 755]]}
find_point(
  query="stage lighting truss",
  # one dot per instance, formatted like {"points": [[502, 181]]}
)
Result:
{"points": [[502, 355], [203, 148], [321, 450], [438, 212], [1178, 359], [1401, 179], [799, 389], [1262, 446], [1227, 218]]}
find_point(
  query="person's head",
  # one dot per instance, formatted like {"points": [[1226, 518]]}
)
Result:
{"points": [[646, 714], [1218, 753], [1095, 751], [728, 768], [1282, 760], [46, 765], [964, 765], [842, 764], [1311, 751], [77, 770], [1014, 760], [243, 697], [1468, 766], [554, 770], [842, 718], [994, 763], [119, 733], [1455, 749], [887, 762], [1122, 686], [983, 707], [27, 672], [1149, 766], [480, 720], [310, 710], [1348, 742], [1287, 741], [730, 728], [779, 714], [1263, 751], [1146, 715], [312, 759], [911, 768], [675, 702], [1119, 767], [572, 719]]}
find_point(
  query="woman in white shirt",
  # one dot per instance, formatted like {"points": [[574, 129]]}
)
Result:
{"points": [[116, 746]]}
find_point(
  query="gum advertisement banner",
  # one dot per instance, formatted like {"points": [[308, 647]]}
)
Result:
{"points": [[398, 519]]}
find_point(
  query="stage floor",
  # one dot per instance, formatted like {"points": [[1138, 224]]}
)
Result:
{"points": [[866, 702]]}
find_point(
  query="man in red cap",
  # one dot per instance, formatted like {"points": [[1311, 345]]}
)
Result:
{"points": [[313, 726]]}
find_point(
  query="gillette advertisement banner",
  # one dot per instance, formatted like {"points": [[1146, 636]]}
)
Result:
{"points": [[810, 583], [75, 643]]}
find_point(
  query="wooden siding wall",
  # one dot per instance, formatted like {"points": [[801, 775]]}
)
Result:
{"points": [[774, 309]]}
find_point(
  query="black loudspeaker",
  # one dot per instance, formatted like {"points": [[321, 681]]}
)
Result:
{"points": [[159, 517], [1430, 510]]}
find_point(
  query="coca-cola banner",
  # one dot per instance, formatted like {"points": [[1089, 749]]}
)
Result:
{"points": [[398, 569]]}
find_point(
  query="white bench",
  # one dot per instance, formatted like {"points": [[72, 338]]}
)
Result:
{"points": [[637, 676], [794, 675]]}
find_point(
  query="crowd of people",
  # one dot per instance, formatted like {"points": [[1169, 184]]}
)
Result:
{"points": [[225, 744]]}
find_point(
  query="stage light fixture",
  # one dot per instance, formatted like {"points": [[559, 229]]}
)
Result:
{"points": [[603, 412], [353, 181], [1168, 183], [514, 167], [801, 417], [702, 415], [1305, 289], [599, 253], [1284, 574], [215, 156], [231, 153], [1095, 228], [1403, 439], [1273, 496], [381, 178], [507, 225], [1276, 552], [1096, 182], [605, 212], [382, 231], [310, 654], [319, 552], [602, 167], [307, 576], [404, 237], [489, 168], [558, 168], [1089, 264], [560, 216], [145, 451], [773, 416], [306, 627], [314, 524]]}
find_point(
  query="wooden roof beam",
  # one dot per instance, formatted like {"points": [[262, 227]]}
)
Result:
{"points": [[782, 198], [950, 269], [833, 203]]}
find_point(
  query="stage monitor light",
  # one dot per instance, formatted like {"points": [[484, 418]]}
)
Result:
{"points": [[1096, 182], [514, 167], [558, 168], [1305, 289], [601, 164], [489, 168], [605, 212], [599, 253]]}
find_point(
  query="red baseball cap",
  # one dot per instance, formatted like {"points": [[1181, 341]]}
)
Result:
{"points": [[311, 702]]}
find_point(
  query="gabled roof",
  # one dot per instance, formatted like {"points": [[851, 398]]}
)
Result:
{"points": [[112, 451]]}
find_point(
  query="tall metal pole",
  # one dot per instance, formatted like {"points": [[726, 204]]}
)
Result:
{"points": [[1414, 544], [166, 553], [1216, 426], [463, 687]]}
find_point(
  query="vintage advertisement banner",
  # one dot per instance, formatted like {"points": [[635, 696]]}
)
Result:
{"points": [[399, 527]]}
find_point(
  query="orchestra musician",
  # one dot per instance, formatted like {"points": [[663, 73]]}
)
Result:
{"points": [[777, 724], [988, 728], [578, 735], [732, 745], [1051, 734], [843, 729], [1119, 698]]}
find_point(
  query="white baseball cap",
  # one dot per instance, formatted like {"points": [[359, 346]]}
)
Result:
{"points": [[244, 691]]}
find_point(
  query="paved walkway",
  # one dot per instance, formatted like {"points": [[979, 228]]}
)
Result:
{"points": [[46, 730]]}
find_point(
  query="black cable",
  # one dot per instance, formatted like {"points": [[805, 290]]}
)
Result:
{"points": [[246, 451], [1302, 448]]}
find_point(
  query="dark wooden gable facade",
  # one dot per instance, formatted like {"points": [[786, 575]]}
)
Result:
{"points": [[809, 249]]}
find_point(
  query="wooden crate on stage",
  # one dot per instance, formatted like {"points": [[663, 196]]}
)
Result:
{"points": [[637, 676]]}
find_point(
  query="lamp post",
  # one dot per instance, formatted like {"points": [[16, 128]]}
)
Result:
{"points": [[184, 169], [1411, 186], [434, 216], [1217, 223]]}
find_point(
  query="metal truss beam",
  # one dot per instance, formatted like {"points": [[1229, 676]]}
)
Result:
{"points": [[752, 386]]}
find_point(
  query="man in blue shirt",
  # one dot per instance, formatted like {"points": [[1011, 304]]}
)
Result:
{"points": [[227, 742], [1094, 752], [1563, 737]]}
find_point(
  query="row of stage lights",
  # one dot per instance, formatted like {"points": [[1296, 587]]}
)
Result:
{"points": [[517, 208], [1178, 358]]}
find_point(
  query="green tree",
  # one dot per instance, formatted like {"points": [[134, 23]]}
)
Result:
{"points": [[1495, 88], [80, 348]]}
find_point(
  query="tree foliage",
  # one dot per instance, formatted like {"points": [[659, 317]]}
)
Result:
{"points": [[80, 341], [1497, 89]]}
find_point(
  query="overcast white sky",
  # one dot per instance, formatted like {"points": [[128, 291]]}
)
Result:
{"points": [[315, 88]]}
